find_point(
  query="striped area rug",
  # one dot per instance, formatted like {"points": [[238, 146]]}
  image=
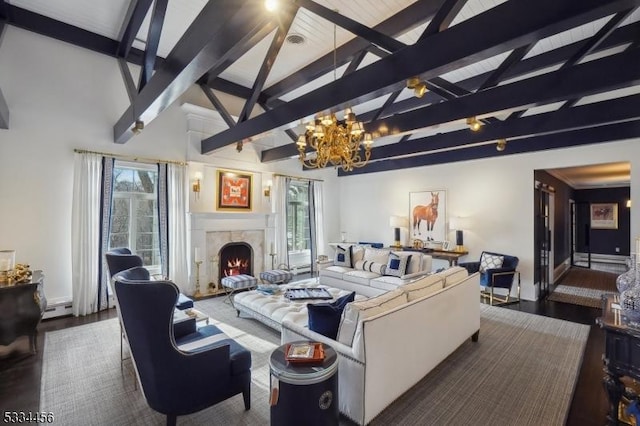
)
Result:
{"points": [[522, 371], [585, 287]]}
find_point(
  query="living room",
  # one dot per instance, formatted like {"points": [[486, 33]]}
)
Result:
{"points": [[63, 97]]}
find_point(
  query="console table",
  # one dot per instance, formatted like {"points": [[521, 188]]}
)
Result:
{"points": [[21, 308], [621, 353], [448, 255]]}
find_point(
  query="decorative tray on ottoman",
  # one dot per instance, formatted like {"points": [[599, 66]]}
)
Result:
{"points": [[307, 293]]}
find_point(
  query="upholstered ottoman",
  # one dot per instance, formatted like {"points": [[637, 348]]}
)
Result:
{"points": [[233, 283], [276, 276]]}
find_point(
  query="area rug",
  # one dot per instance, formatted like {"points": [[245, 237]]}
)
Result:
{"points": [[584, 287], [522, 371]]}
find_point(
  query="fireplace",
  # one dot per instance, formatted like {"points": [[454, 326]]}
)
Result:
{"points": [[235, 258]]}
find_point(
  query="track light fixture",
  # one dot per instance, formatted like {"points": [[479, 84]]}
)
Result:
{"points": [[419, 87], [138, 127], [474, 124], [501, 145]]}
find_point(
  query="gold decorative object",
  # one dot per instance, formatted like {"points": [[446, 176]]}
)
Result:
{"points": [[20, 274], [341, 143], [197, 293], [418, 244]]}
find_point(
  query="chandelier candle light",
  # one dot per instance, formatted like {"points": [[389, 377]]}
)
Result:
{"points": [[341, 143]]}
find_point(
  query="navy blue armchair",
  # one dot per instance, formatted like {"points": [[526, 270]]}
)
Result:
{"points": [[184, 375], [121, 259], [497, 270]]}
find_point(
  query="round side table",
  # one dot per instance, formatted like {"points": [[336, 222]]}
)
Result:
{"points": [[304, 393]]}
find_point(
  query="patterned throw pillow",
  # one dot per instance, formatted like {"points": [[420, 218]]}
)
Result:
{"points": [[397, 265], [490, 261], [343, 257], [366, 265]]}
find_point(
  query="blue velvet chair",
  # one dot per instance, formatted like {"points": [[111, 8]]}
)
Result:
{"points": [[120, 259], [492, 276], [179, 376]]}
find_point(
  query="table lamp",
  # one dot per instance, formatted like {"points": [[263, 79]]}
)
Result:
{"points": [[398, 222], [459, 224]]}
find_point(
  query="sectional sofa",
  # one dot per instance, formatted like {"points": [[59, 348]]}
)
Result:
{"points": [[370, 271], [387, 342]]}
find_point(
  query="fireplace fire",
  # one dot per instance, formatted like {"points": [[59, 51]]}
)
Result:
{"points": [[236, 259]]}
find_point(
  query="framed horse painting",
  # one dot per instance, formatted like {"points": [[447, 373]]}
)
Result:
{"points": [[428, 215]]}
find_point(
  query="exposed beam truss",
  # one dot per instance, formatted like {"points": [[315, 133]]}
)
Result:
{"points": [[217, 37], [432, 57], [131, 25], [592, 135], [222, 110], [153, 41]]}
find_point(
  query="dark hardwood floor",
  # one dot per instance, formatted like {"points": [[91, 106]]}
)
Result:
{"points": [[20, 375]]}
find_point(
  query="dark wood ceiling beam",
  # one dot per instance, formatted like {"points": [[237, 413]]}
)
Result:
{"points": [[127, 78], [219, 106], [285, 21], [134, 17], [514, 57], [415, 14], [592, 77], [217, 36], [430, 58], [593, 135], [585, 116], [371, 35], [355, 62], [153, 41], [621, 36], [443, 18], [292, 135]]}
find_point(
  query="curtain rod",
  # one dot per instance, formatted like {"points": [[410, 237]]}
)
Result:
{"points": [[129, 158], [299, 178]]}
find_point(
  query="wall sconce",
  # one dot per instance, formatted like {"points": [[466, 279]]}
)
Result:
{"points": [[267, 188], [502, 144], [474, 124], [419, 87], [137, 127], [629, 203], [196, 184]]}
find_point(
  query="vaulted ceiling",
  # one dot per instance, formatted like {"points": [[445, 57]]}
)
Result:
{"points": [[541, 74]]}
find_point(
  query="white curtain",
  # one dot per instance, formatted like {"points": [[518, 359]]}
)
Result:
{"points": [[177, 201], [280, 191], [85, 232], [318, 213]]}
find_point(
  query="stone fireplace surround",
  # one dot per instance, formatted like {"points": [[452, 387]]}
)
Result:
{"points": [[211, 231]]}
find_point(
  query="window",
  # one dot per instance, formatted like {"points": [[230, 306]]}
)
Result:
{"points": [[134, 212], [298, 225]]}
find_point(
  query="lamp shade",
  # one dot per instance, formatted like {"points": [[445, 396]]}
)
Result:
{"points": [[458, 223], [399, 222]]}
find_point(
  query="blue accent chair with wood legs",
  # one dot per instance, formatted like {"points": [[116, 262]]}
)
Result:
{"points": [[497, 271], [178, 376]]}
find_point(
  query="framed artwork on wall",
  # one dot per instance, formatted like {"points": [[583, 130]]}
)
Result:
{"points": [[604, 215], [234, 191], [428, 215]]}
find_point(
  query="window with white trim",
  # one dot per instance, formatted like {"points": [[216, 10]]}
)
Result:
{"points": [[134, 212]]}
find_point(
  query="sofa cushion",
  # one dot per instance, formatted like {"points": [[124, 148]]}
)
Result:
{"points": [[357, 253], [324, 318], [397, 265], [357, 311], [453, 275], [343, 256], [359, 277], [490, 261], [366, 265], [423, 287], [335, 271], [376, 255]]}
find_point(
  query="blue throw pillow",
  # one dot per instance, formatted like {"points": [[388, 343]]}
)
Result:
{"points": [[324, 318], [397, 265], [343, 257]]}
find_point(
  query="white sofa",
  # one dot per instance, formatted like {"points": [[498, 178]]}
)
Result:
{"points": [[363, 273], [401, 342]]}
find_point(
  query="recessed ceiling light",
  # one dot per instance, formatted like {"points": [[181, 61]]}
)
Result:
{"points": [[295, 38], [271, 5]]}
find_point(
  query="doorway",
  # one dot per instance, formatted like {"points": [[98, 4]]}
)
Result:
{"points": [[543, 231], [580, 235]]}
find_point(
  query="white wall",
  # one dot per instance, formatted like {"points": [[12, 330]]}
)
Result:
{"points": [[495, 194]]}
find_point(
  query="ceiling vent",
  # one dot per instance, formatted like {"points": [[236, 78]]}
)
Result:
{"points": [[295, 39]]}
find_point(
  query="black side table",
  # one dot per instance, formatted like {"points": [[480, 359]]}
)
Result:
{"points": [[304, 394]]}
